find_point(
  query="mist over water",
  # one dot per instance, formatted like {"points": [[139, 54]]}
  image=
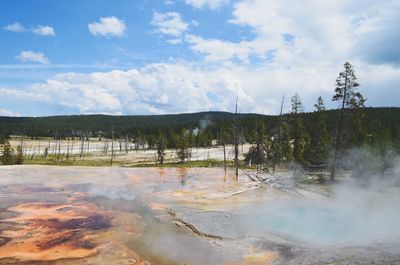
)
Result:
{"points": [[266, 218], [360, 210], [363, 209], [353, 217]]}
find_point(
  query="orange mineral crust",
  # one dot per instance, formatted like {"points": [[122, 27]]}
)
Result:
{"points": [[48, 232]]}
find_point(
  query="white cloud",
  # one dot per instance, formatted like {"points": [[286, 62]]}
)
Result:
{"points": [[309, 32], [108, 27], [326, 24], [15, 27], [212, 4], [44, 31], [219, 50], [9, 113], [175, 41], [332, 30], [195, 23], [169, 23], [155, 88], [184, 87], [39, 30], [30, 56]]}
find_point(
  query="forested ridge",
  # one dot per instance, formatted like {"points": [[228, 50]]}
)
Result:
{"points": [[305, 138], [152, 125], [74, 125]]}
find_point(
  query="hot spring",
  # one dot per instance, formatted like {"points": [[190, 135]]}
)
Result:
{"points": [[194, 216]]}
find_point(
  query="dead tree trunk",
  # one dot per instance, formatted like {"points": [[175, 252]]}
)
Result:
{"points": [[67, 157], [339, 134], [57, 146], [278, 153], [88, 145], [112, 147], [22, 144], [126, 144], [59, 150], [224, 147], [82, 145], [236, 142]]}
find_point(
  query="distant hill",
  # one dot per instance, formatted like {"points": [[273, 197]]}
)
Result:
{"points": [[74, 124], [94, 125]]}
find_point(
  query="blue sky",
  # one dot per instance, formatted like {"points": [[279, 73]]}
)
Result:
{"points": [[170, 56]]}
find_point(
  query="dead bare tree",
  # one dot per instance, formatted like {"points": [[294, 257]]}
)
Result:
{"points": [[277, 143], [222, 141], [126, 144], [67, 157], [32, 150], [22, 143], [236, 142], [105, 147], [47, 149], [57, 148], [88, 144], [112, 146], [82, 145], [39, 146]]}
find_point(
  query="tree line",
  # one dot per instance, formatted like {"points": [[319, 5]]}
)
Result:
{"points": [[219, 125]]}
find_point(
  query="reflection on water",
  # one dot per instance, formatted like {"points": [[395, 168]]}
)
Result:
{"points": [[169, 216], [117, 193], [183, 175], [161, 172]]}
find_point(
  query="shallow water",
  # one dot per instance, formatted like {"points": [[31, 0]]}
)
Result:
{"points": [[119, 190], [135, 205], [312, 224]]}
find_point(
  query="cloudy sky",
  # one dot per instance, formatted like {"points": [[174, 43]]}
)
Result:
{"points": [[172, 56]]}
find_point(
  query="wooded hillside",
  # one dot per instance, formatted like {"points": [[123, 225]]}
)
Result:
{"points": [[209, 123]]}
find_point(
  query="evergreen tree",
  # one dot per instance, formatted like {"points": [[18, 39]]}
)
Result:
{"points": [[161, 150], [381, 140], [318, 147], [257, 154], [202, 139], [297, 105], [320, 106], [151, 141], [299, 133], [280, 150], [6, 152], [183, 146], [350, 126], [19, 157], [172, 138]]}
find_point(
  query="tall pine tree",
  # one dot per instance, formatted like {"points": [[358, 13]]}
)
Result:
{"points": [[318, 147], [299, 133], [350, 126]]}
